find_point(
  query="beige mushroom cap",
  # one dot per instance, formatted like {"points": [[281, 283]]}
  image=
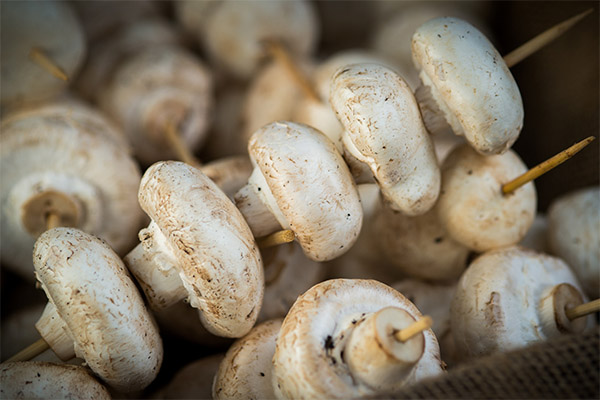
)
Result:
{"points": [[384, 129], [41, 380], [309, 360], [50, 26], [246, 370], [470, 83], [66, 158], [472, 208], [574, 235], [100, 308], [501, 301], [210, 246]]}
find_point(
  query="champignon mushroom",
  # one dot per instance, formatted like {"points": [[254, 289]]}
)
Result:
{"points": [[338, 341], [467, 84], [574, 235], [48, 30], [246, 370], [68, 160], [511, 297], [300, 182], [42, 380], [197, 247], [94, 310]]}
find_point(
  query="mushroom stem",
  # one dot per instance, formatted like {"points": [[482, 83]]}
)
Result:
{"points": [[545, 166], [31, 351], [38, 56], [278, 52], [52, 220], [583, 309], [181, 150], [275, 239], [541, 40], [417, 327]]}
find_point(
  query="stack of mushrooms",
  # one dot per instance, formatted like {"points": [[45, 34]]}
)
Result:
{"points": [[362, 219]]}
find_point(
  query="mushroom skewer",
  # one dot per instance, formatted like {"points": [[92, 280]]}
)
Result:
{"points": [[38, 56], [583, 309]]}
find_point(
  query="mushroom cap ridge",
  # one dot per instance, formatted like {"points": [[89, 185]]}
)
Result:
{"points": [[220, 265]]}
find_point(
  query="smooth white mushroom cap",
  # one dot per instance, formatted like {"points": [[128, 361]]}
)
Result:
{"points": [[472, 208], [309, 361], [246, 370], [470, 83], [42, 380], [64, 158], [307, 187], [235, 32], [574, 235], [101, 310], [500, 302], [384, 129], [200, 236], [50, 26]]}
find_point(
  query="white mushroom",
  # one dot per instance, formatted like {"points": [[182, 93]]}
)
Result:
{"points": [[49, 28], [536, 236], [473, 209], [41, 380], [384, 129], [197, 247], [64, 159], [246, 370], [466, 82], [94, 310], [511, 297], [574, 235], [338, 341], [300, 182]]}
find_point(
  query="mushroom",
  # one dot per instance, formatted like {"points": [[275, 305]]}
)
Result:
{"points": [[574, 235], [339, 341], [384, 129], [473, 209], [300, 182], [246, 370], [64, 159], [197, 247], [511, 297], [42, 380], [94, 310], [536, 236], [43, 46]]}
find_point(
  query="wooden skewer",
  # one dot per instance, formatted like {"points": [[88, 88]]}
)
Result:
{"points": [[414, 329], [275, 239], [280, 53], [545, 166], [38, 56], [583, 309], [178, 145], [541, 40], [31, 351], [52, 220]]}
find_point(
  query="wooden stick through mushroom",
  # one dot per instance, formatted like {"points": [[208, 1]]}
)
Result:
{"points": [[545, 166], [583, 309], [541, 40], [179, 147], [31, 351], [39, 57], [419, 326], [277, 238]]}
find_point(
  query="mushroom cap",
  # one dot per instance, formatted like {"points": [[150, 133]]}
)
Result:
{"points": [[70, 153], [42, 380], [472, 208], [574, 235], [154, 87], [235, 32], [103, 311], [50, 26], [312, 186], [497, 303], [303, 366], [219, 261], [384, 129], [246, 370], [470, 82]]}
